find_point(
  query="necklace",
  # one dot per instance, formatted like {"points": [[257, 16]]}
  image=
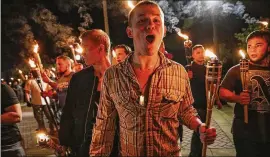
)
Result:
{"points": [[141, 98]]}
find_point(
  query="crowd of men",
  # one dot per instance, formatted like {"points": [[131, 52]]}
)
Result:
{"points": [[137, 107]]}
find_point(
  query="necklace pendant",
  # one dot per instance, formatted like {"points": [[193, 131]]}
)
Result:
{"points": [[141, 100]]}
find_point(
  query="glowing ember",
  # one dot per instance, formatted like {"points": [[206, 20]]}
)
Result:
{"points": [[209, 54], [130, 4], [32, 63], [241, 52]]}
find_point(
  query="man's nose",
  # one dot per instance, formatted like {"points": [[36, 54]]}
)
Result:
{"points": [[150, 24]]}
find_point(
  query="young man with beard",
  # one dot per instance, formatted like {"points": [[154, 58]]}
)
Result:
{"points": [[63, 66], [148, 93], [252, 138], [83, 94]]}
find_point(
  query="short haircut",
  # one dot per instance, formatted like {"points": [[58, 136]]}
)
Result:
{"points": [[65, 58], [261, 34], [141, 3], [97, 36], [125, 47], [196, 47]]}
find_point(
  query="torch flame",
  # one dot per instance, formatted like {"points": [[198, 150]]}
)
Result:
{"points": [[182, 35], [114, 54], [42, 136], [210, 54], [32, 63], [264, 23], [241, 52], [20, 71], [130, 4], [36, 48], [79, 49]]}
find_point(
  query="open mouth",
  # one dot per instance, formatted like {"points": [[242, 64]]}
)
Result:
{"points": [[253, 55], [150, 38]]}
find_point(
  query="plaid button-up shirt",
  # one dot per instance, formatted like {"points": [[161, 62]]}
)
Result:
{"points": [[149, 130]]}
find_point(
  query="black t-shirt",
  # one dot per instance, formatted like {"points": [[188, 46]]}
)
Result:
{"points": [[259, 87], [197, 84], [10, 133]]}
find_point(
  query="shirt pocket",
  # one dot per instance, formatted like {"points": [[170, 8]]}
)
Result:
{"points": [[170, 104]]}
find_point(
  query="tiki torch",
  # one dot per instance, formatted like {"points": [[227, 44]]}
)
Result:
{"points": [[244, 66], [21, 74], [187, 45], [37, 57], [36, 76], [212, 81]]}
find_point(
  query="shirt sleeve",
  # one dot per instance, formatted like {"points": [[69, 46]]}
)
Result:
{"points": [[187, 112], [66, 122], [8, 95], [104, 129], [229, 80]]}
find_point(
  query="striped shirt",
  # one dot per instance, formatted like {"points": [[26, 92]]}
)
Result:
{"points": [[145, 130]]}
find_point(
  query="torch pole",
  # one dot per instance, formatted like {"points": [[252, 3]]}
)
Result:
{"points": [[244, 66], [38, 80], [212, 81]]}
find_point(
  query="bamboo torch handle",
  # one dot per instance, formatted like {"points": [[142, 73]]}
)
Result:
{"points": [[246, 113], [204, 150]]}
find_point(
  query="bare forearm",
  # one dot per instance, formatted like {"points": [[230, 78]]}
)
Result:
{"points": [[229, 96], [10, 118], [190, 118], [52, 84]]}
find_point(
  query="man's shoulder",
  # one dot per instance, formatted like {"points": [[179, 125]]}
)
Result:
{"points": [[234, 68], [84, 72], [115, 68], [176, 65]]}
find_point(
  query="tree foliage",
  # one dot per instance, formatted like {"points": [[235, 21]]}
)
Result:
{"points": [[241, 37]]}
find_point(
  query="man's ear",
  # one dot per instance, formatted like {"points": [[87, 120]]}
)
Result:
{"points": [[129, 32], [101, 48]]}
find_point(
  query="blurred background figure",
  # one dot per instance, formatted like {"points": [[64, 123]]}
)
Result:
{"points": [[163, 50], [121, 52], [18, 90], [38, 103]]}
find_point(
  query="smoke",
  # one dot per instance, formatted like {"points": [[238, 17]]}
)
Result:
{"points": [[180, 10]]}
